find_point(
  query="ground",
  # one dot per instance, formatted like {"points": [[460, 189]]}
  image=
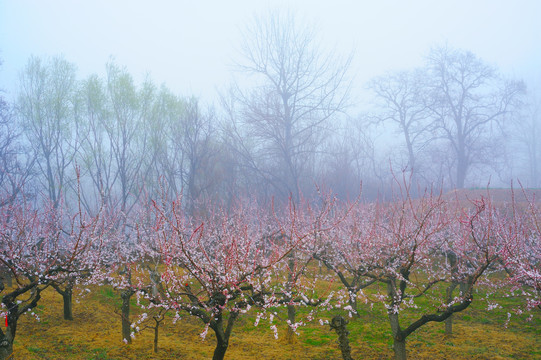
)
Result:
{"points": [[95, 334]]}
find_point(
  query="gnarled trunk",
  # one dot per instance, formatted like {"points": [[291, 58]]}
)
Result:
{"points": [[13, 313], [7, 337], [221, 348], [449, 320], [6, 348], [451, 256], [11, 304], [5, 277], [222, 337], [338, 323]]}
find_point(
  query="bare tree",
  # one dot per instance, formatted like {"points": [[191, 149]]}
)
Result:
{"points": [[471, 105], [199, 144], [401, 97], [15, 168], [282, 120], [349, 158]]}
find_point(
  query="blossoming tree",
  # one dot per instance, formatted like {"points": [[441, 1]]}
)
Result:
{"points": [[222, 263], [408, 249], [41, 246]]}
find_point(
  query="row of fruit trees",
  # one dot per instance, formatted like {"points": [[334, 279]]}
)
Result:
{"points": [[430, 252]]}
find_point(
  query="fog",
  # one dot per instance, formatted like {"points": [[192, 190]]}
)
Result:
{"points": [[190, 45], [201, 111]]}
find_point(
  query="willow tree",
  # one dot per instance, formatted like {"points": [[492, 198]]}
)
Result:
{"points": [[127, 132], [46, 110]]}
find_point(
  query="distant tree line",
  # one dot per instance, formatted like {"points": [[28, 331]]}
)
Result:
{"points": [[452, 121]]}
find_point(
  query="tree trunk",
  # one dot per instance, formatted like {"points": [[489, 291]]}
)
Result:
{"points": [[291, 312], [67, 297], [6, 349], [6, 276], [399, 347], [399, 341], [449, 326], [156, 329], [449, 320], [68, 305], [11, 304], [7, 337], [462, 165], [126, 325], [221, 348], [411, 157], [452, 258], [222, 337], [338, 323]]}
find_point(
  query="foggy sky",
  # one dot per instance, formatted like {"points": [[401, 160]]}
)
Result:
{"points": [[190, 45]]}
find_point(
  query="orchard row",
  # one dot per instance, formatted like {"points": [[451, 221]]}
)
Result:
{"points": [[430, 252]]}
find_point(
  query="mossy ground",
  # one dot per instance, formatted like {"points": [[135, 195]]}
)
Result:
{"points": [[95, 334]]}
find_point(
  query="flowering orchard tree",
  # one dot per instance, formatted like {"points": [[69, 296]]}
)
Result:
{"points": [[146, 278], [295, 283], [40, 247], [410, 248], [474, 244], [221, 264], [83, 267], [339, 252], [120, 258], [290, 287], [214, 268], [399, 253], [522, 256]]}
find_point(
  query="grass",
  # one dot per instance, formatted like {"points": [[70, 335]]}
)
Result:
{"points": [[95, 334]]}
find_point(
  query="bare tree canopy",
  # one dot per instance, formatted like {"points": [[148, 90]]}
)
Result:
{"points": [[452, 114], [471, 104], [14, 169], [401, 98], [283, 119]]}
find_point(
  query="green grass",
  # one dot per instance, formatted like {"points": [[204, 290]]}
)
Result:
{"points": [[99, 354], [34, 349]]}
